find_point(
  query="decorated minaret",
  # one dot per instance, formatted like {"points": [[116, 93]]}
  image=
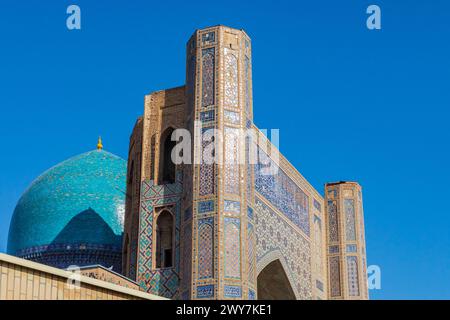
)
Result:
{"points": [[214, 227], [345, 241], [220, 225]]}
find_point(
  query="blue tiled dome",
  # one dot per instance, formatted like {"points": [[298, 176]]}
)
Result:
{"points": [[73, 213]]}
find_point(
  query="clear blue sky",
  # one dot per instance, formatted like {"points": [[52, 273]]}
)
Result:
{"points": [[351, 104]]}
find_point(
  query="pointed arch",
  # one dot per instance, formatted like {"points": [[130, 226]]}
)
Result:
{"points": [[273, 273], [164, 239], [166, 165]]}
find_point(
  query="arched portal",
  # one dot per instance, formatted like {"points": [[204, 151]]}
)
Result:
{"points": [[167, 171], [164, 240], [273, 283]]}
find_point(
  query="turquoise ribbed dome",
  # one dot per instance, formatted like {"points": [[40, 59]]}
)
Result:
{"points": [[79, 203]]}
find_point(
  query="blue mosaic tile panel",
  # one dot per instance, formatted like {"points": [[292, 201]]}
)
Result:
{"points": [[250, 213], [207, 180], [205, 206], [333, 249], [282, 193], [232, 206], [232, 291], [207, 116], [208, 38], [205, 291], [208, 76], [351, 248]]}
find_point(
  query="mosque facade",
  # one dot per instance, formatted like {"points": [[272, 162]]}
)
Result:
{"points": [[247, 227], [229, 230]]}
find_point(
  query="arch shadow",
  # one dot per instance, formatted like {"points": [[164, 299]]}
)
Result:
{"points": [[273, 282]]}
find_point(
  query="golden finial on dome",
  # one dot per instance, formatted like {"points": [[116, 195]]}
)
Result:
{"points": [[99, 144]]}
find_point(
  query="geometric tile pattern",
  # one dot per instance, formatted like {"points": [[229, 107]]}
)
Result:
{"points": [[250, 214], [163, 281], [247, 85], [208, 77], [282, 192], [207, 116], [352, 276], [333, 222], [232, 242], [207, 169], [251, 253], [208, 38], [231, 117], [205, 206], [249, 170], [232, 291], [333, 249], [232, 206], [318, 261], [273, 233], [350, 232], [205, 248], [335, 276], [231, 167], [231, 98], [229, 231], [205, 291], [346, 261], [251, 295]]}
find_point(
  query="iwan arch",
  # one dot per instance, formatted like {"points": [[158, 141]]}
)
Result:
{"points": [[227, 231]]}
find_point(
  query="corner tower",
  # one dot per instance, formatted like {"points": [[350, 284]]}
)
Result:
{"points": [[219, 98], [346, 252]]}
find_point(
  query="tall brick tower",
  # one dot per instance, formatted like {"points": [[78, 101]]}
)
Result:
{"points": [[221, 226], [345, 241], [219, 98]]}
